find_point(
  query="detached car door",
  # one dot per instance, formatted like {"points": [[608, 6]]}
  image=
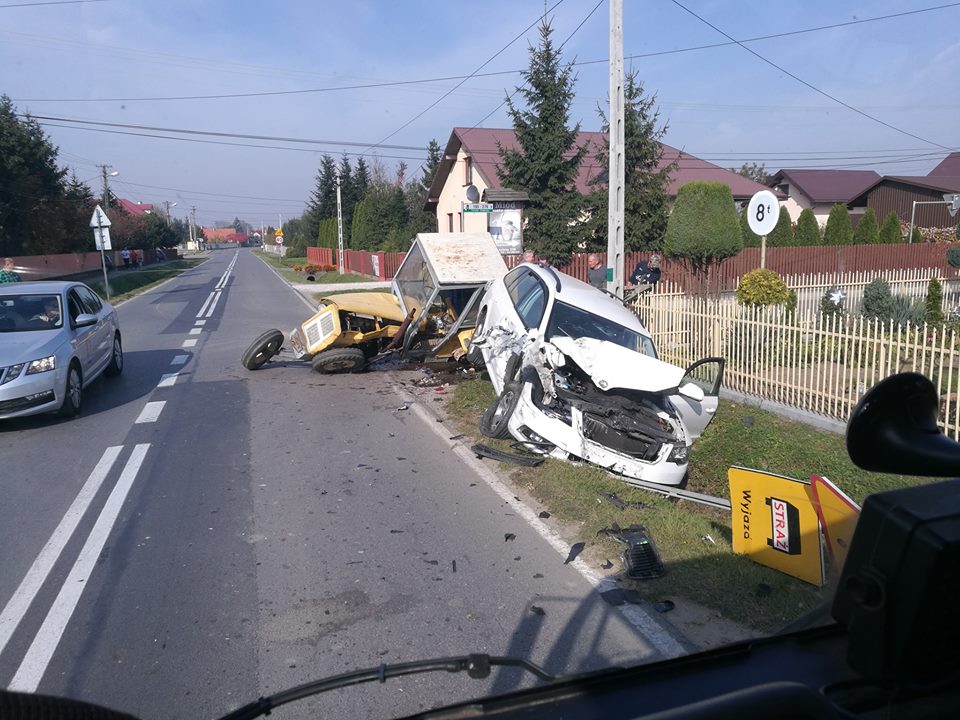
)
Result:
{"points": [[707, 374]]}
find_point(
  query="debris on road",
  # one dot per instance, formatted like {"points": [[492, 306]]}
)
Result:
{"points": [[621, 504], [507, 537], [575, 550], [405, 406], [484, 451], [607, 565], [537, 610], [640, 556], [543, 515]]}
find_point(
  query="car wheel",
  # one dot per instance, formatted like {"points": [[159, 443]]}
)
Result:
{"points": [[116, 361], [494, 421], [262, 349], [73, 392], [340, 360]]}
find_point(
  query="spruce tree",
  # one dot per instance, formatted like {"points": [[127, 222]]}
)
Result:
{"points": [[808, 231], [645, 181], [890, 229], [933, 305], [548, 159], [866, 232], [838, 230]]}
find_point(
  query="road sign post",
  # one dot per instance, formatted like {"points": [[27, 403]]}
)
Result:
{"points": [[763, 212], [101, 236]]}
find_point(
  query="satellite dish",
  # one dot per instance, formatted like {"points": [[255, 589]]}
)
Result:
{"points": [[473, 195]]}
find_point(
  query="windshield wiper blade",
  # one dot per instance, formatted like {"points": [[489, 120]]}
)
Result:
{"points": [[476, 666]]}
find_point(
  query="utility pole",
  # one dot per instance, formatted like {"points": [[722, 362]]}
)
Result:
{"points": [[194, 235], [616, 167], [105, 172], [339, 228]]}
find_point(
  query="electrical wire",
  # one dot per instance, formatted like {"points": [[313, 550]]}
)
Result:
{"points": [[809, 85], [49, 2], [397, 83]]}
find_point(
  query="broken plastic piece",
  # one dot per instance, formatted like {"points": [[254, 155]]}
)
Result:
{"points": [[485, 451], [640, 556], [621, 504], [537, 610], [543, 515], [575, 550], [507, 537], [405, 406]]}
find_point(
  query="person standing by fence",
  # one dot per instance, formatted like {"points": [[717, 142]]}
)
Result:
{"points": [[8, 274]]}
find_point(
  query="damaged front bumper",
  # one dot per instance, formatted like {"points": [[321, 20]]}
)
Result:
{"points": [[666, 464]]}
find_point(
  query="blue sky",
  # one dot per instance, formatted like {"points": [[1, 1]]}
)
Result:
{"points": [[722, 103]]}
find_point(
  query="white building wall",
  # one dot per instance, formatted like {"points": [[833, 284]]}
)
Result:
{"points": [[454, 193]]}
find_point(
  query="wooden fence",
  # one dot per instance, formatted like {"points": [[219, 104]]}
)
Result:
{"points": [[823, 365]]}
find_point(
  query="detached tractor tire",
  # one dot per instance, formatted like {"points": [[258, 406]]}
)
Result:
{"points": [[339, 360], [262, 349], [493, 423]]}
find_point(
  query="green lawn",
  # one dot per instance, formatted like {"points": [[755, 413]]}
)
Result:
{"points": [[694, 541], [284, 265]]}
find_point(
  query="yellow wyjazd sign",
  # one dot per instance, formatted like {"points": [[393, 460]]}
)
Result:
{"points": [[775, 524]]}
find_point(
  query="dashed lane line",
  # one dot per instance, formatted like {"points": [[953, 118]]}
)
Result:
{"points": [[189, 343], [151, 412]]}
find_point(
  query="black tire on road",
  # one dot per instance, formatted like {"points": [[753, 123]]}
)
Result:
{"points": [[73, 395], [116, 361], [339, 360], [494, 421], [262, 349]]}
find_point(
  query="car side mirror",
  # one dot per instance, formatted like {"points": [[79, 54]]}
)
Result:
{"points": [[692, 391], [85, 320]]}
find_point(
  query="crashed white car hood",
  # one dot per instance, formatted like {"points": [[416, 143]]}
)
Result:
{"points": [[612, 366]]}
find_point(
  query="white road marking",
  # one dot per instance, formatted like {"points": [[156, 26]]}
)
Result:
{"points": [[180, 360], [168, 380], [34, 665], [189, 343], [37, 574], [203, 308], [657, 636], [195, 331], [213, 305], [151, 411], [200, 323]]}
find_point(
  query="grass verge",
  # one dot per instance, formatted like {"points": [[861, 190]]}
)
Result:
{"points": [[694, 541], [283, 265], [128, 283]]}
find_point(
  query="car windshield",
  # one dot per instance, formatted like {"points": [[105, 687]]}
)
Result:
{"points": [[27, 312], [569, 321]]}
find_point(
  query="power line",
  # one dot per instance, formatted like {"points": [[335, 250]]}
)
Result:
{"points": [[482, 65], [805, 83], [50, 2], [397, 83]]}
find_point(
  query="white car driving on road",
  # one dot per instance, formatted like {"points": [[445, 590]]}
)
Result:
{"points": [[55, 339], [577, 376]]}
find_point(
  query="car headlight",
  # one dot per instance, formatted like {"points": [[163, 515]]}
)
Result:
{"points": [[13, 372], [42, 365], [679, 455]]}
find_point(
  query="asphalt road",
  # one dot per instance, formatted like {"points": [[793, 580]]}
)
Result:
{"points": [[203, 535]]}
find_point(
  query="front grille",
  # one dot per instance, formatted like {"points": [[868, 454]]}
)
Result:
{"points": [[319, 329], [634, 444], [641, 557], [24, 403]]}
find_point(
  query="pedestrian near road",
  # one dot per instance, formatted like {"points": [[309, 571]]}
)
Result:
{"points": [[137, 259], [596, 273], [646, 274], [125, 256], [8, 274]]}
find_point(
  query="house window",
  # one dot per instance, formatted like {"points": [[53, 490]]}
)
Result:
{"points": [[449, 222], [468, 170]]}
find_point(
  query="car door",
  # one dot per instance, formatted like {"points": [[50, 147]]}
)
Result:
{"points": [[707, 374], [101, 342], [83, 337], [515, 308]]}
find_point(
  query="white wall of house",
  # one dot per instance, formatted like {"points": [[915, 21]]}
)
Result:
{"points": [[454, 192]]}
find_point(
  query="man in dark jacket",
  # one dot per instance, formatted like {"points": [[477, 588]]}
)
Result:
{"points": [[646, 274]]}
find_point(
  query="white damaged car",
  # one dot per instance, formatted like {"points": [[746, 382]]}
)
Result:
{"points": [[577, 377]]}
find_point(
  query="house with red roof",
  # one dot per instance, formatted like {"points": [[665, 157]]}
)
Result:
{"points": [[471, 157], [820, 190], [223, 235], [134, 208]]}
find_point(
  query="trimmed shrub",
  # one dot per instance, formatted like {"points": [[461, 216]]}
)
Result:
{"points": [[782, 233], [934, 302], [762, 287], [877, 300], [839, 230], [808, 231], [867, 232], [750, 238], [890, 230], [953, 256], [917, 236], [832, 302]]}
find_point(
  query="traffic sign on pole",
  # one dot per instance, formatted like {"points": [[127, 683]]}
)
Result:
{"points": [[763, 212], [99, 218], [953, 202]]}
